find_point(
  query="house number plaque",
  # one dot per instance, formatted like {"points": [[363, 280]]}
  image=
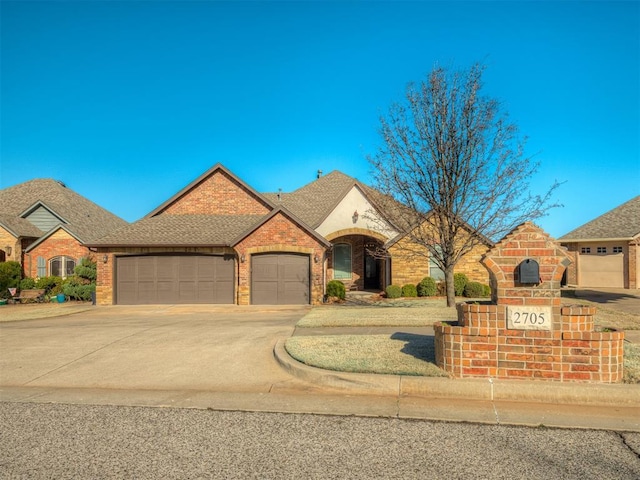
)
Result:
{"points": [[528, 318]]}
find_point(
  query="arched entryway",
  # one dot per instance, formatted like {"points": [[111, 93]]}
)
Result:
{"points": [[358, 262]]}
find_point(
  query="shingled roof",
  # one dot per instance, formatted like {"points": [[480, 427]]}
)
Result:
{"points": [[622, 222], [85, 220], [181, 231], [314, 202]]}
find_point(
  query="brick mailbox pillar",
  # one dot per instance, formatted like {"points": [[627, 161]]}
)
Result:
{"points": [[524, 332]]}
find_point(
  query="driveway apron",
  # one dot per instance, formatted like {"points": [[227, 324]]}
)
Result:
{"points": [[157, 347]]}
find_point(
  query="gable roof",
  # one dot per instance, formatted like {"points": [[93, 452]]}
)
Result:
{"points": [[19, 227], [288, 215], [216, 168], [621, 223], [85, 220], [314, 202], [49, 233]]}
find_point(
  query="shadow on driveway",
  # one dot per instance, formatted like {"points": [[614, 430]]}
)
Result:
{"points": [[623, 300]]}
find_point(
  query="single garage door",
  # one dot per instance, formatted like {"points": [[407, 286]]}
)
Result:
{"points": [[174, 279], [602, 270], [280, 279]]}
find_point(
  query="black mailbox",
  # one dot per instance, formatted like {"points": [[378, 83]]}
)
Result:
{"points": [[529, 271]]}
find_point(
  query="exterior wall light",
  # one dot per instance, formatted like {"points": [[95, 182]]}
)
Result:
{"points": [[105, 258], [316, 258], [243, 258], [8, 249], [355, 216]]}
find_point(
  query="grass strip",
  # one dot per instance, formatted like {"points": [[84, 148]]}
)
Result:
{"points": [[399, 316]]}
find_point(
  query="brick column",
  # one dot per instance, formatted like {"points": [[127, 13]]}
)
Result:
{"points": [[524, 332]]}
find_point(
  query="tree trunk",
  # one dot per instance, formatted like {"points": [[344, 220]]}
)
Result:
{"points": [[451, 291]]}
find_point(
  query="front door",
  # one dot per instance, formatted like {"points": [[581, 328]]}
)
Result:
{"points": [[371, 271]]}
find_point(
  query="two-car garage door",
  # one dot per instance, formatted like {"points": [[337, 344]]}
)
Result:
{"points": [[174, 279]]}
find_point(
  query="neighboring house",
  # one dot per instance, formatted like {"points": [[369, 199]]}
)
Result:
{"points": [[220, 241], [44, 224], [606, 250]]}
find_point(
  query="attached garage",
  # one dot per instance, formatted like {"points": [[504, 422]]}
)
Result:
{"points": [[175, 279], [280, 279], [602, 270]]}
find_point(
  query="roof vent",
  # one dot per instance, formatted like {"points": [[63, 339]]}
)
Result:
{"points": [[319, 173], [61, 184]]}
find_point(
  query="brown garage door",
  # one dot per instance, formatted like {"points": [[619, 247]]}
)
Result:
{"points": [[280, 279], [168, 279]]}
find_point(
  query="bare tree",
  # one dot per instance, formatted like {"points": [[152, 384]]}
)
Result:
{"points": [[452, 156]]}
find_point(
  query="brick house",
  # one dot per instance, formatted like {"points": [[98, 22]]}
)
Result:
{"points": [[44, 226], [605, 252], [220, 241]]}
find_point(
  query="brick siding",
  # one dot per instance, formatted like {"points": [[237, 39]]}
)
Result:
{"points": [[279, 234], [59, 243], [410, 264], [218, 194]]}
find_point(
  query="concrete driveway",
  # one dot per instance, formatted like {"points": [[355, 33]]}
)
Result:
{"points": [[158, 347]]}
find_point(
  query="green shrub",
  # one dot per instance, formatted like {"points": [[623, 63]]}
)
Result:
{"points": [[486, 291], [460, 280], [335, 288], [10, 275], [475, 289], [393, 291], [409, 290], [76, 289], [427, 287], [86, 270], [27, 283], [52, 285]]}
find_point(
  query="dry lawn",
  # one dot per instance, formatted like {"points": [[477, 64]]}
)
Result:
{"points": [[400, 354], [416, 313], [631, 363]]}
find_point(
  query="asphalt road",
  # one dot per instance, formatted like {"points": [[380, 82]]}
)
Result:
{"points": [[81, 441]]}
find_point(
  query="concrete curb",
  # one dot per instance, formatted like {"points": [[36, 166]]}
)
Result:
{"points": [[620, 395]]}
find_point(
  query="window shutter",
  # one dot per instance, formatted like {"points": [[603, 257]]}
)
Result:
{"points": [[42, 267]]}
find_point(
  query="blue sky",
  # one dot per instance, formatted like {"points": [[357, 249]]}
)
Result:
{"points": [[128, 102]]}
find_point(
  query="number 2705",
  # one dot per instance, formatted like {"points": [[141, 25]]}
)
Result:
{"points": [[526, 318]]}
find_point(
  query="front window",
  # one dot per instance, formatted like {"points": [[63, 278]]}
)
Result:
{"points": [[62, 266], [342, 261], [435, 271], [602, 249]]}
